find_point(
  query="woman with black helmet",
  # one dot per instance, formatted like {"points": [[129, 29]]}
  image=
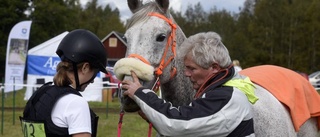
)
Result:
{"points": [[59, 109]]}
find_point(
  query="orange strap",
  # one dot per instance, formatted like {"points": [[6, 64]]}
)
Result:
{"points": [[171, 41], [139, 57]]}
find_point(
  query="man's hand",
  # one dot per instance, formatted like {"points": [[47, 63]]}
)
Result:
{"points": [[131, 86]]}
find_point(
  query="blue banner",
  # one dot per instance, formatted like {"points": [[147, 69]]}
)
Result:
{"points": [[43, 65]]}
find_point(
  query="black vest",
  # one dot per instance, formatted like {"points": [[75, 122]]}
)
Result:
{"points": [[40, 105]]}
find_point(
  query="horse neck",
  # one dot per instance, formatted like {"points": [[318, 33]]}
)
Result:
{"points": [[177, 93], [179, 90]]}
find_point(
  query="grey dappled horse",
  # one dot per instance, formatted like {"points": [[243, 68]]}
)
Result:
{"points": [[147, 35]]}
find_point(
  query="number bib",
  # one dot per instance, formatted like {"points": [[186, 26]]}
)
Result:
{"points": [[32, 128]]}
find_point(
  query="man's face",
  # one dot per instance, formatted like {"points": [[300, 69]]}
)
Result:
{"points": [[196, 73]]}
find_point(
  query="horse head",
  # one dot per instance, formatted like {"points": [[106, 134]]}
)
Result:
{"points": [[153, 38]]}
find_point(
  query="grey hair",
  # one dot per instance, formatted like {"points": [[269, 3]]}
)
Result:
{"points": [[206, 48]]}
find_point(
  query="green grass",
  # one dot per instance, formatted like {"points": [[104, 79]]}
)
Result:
{"points": [[132, 126]]}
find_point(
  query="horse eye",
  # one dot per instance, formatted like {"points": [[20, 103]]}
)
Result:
{"points": [[161, 37]]}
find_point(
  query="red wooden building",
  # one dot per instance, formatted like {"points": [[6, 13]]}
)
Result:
{"points": [[116, 47]]}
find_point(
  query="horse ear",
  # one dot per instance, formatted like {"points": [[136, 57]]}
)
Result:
{"points": [[134, 5], [164, 4]]}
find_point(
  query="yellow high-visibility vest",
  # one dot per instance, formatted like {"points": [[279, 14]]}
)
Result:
{"points": [[246, 86]]}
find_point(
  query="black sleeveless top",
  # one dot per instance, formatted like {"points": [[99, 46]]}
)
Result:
{"points": [[40, 105]]}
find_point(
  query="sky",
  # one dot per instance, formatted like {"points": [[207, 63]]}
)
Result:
{"points": [[177, 5]]}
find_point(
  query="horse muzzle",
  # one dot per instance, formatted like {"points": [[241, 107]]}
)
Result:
{"points": [[128, 104], [144, 71]]}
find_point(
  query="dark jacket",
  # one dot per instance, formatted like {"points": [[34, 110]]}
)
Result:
{"points": [[217, 111]]}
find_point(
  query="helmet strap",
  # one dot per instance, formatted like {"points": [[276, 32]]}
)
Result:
{"points": [[89, 81], [76, 77]]}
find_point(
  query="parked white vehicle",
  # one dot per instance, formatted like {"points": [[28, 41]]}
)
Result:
{"points": [[314, 79]]}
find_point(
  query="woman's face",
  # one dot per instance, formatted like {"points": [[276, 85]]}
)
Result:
{"points": [[86, 73], [196, 73]]}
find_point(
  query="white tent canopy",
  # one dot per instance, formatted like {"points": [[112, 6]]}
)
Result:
{"points": [[41, 64]]}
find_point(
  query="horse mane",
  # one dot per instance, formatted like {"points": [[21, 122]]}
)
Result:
{"points": [[141, 14]]}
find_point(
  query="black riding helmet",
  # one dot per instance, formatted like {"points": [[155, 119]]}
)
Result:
{"points": [[83, 46]]}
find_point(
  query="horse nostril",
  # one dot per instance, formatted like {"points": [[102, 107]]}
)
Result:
{"points": [[161, 37]]}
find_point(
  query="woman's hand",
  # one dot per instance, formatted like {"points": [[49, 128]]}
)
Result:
{"points": [[131, 86]]}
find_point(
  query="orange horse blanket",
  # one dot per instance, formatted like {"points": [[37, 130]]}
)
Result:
{"points": [[290, 88]]}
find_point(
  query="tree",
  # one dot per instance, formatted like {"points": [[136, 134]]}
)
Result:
{"points": [[52, 17], [285, 33], [241, 45], [313, 18], [101, 20], [195, 17], [223, 23], [12, 12], [267, 28], [179, 19]]}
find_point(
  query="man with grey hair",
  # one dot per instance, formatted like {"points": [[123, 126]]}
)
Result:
{"points": [[221, 106]]}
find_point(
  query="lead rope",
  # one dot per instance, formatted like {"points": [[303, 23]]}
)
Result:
{"points": [[120, 122], [150, 129], [155, 86], [121, 111]]}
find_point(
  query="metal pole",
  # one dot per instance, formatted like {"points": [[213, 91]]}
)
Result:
{"points": [[14, 101], [2, 107], [107, 103]]}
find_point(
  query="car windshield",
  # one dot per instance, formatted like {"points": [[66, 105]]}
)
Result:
{"points": [[314, 74]]}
